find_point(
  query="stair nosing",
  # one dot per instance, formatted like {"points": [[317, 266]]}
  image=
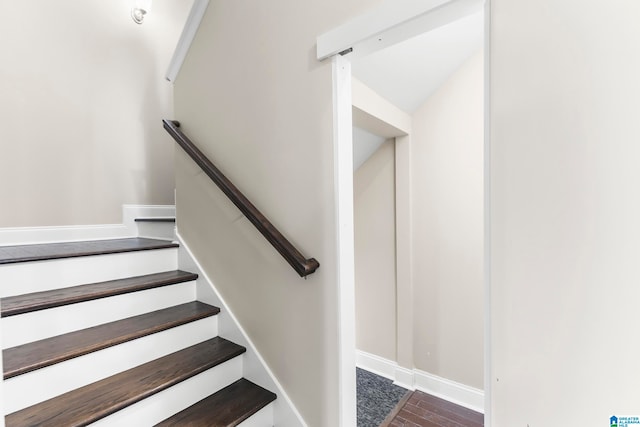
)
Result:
{"points": [[202, 311], [160, 244], [122, 399], [182, 277]]}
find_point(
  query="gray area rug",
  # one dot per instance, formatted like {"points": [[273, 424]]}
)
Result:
{"points": [[377, 396]]}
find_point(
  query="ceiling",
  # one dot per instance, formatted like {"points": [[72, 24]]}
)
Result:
{"points": [[408, 73]]}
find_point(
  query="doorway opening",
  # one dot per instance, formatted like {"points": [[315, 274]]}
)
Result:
{"points": [[418, 201]]}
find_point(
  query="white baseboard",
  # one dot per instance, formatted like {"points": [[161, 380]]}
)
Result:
{"points": [[415, 379], [376, 364], [405, 378], [454, 392], [75, 233]]}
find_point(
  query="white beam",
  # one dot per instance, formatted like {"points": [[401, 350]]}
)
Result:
{"points": [[375, 114], [392, 22], [186, 38]]}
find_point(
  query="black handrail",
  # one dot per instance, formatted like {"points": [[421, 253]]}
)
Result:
{"points": [[300, 264]]}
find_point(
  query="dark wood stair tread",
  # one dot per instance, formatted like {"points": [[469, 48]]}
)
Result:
{"points": [[39, 354], [226, 408], [156, 219], [95, 401], [40, 252], [26, 303]]}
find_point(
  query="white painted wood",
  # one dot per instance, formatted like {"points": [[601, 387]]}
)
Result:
{"points": [[262, 418], [27, 389], [38, 276], [76, 233], [156, 408], [186, 38], [131, 212], [345, 280], [255, 368], [404, 378], [375, 114], [33, 235], [157, 230], [42, 324], [404, 254], [488, 369], [415, 379], [452, 391], [391, 22], [2, 384], [376, 364]]}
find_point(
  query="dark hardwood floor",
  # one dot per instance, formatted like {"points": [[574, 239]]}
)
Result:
{"points": [[423, 410]]}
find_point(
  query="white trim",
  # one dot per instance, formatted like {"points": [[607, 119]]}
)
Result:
{"points": [[415, 379], [488, 371], [452, 391], [285, 413], [345, 280], [186, 38], [131, 212], [376, 364], [72, 233], [391, 22], [375, 114], [405, 378], [404, 253], [76, 233]]}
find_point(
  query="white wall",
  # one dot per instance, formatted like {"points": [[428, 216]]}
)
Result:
{"points": [[447, 198], [375, 253], [565, 102], [83, 93], [252, 95]]}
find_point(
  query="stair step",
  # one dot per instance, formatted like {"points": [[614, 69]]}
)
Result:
{"points": [[41, 252], [95, 401], [29, 357], [27, 303], [226, 408], [156, 219]]}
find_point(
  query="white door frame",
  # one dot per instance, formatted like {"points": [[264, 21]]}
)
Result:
{"points": [[345, 280], [391, 22], [376, 115]]}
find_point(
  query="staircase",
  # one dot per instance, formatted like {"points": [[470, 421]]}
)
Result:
{"points": [[110, 333]]}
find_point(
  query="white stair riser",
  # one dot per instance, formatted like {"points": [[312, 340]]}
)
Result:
{"points": [[36, 276], [27, 389], [262, 418], [37, 325], [156, 408], [157, 230]]}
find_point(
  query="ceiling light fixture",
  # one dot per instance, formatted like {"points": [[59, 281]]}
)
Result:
{"points": [[139, 9]]}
